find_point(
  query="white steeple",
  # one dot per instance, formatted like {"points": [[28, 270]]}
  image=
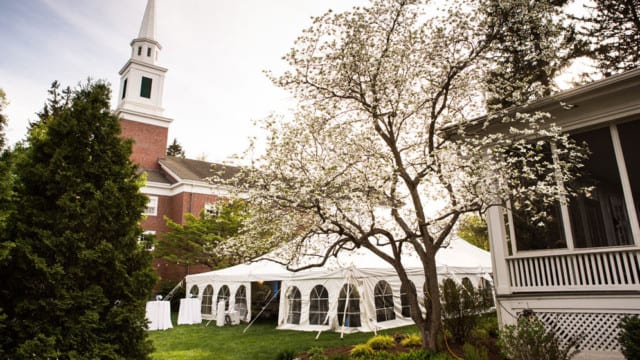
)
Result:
{"points": [[141, 79]]}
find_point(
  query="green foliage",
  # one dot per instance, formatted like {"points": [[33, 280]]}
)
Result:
{"points": [[362, 351], [413, 340], [316, 353], [489, 323], [340, 357], [474, 353], [381, 342], [613, 32], [416, 355], [175, 149], [461, 304], [473, 229], [286, 355], [75, 280], [530, 340], [196, 241], [630, 337]]}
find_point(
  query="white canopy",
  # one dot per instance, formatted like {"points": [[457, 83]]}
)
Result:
{"points": [[318, 298]]}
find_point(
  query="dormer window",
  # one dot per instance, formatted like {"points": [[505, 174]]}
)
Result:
{"points": [[139, 50], [148, 52], [145, 87]]}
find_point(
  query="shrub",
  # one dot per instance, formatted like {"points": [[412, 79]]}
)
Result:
{"points": [[286, 355], [461, 305], [362, 351], [415, 355], [530, 340], [316, 353], [381, 342], [630, 337], [474, 353], [479, 337], [383, 355], [489, 323], [340, 357], [412, 340]]}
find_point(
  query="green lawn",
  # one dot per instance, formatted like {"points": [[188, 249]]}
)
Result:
{"points": [[261, 342]]}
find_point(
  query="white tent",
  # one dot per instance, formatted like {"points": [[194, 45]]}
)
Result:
{"points": [[319, 298]]}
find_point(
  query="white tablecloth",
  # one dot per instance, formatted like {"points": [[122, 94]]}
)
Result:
{"points": [[189, 312], [159, 315]]}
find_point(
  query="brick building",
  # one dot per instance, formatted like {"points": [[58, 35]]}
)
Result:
{"points": [[175, 186]]}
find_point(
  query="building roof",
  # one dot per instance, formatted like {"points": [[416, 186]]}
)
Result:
{"points": [[197, 170]]}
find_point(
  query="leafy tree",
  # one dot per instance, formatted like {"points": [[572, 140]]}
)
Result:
{"points": [[612, 28], [378, 155], [175, 149], [198, 239], [473, 229], [5, 193], [76, 282]]}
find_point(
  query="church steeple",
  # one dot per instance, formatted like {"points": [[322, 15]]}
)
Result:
{"points": [[140, 96], [145, 47]]}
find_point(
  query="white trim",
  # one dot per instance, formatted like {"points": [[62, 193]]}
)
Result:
{"points": [[162, 189], [145, 118], [151, 204]]}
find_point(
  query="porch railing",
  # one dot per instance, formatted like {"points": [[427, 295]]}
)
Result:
{"points": [[590, 270]]}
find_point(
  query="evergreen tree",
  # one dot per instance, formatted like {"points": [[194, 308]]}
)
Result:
{"points": [[175, 149], [613, 30], [5, 193], [534, 43], [76, 282]]}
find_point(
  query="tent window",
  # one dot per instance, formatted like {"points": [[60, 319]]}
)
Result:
{"points": [[241, 302], [207, 296], [404, 299], [194, 291], [486, 293], [223, 295], [295, 305], [383, 297], [319, 305], [349, 306]]}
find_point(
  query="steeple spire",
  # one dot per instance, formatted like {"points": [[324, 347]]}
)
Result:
{"points": [[148, 26]]}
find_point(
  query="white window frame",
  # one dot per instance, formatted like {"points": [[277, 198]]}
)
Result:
{"points": [[152, 206]]}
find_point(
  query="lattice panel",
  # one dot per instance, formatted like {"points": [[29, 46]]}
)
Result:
{"points": [[596, 331]]}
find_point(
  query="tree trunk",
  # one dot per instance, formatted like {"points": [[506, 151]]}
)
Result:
{"points": [[432, 302]]}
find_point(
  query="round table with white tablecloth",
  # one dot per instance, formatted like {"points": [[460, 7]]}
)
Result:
{"points": [[189, 312], [159, 315]]}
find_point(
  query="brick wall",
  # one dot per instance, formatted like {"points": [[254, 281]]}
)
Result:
{"points": [[150, 142]]}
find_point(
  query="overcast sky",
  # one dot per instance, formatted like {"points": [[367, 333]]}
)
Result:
{"points": [[215, 51]]}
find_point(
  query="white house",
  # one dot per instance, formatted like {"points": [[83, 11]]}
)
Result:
{"points": [[581, 271]]}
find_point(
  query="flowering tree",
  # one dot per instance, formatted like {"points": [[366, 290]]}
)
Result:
{"points": [[381, 153]]}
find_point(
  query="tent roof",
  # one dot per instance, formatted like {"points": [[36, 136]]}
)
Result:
{"points": [[459, 257]]}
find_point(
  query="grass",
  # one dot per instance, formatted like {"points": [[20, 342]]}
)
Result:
{"points": [[261, 342]]}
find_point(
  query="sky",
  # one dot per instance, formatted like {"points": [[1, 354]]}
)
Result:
{"points": [[215, 52]]}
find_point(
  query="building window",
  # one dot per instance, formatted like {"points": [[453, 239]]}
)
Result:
{"points": [[147, 240], [148, 52], [145, 87], [349, 306], [139, 50], [383, 299], [152, 206], [600, 219], [604, 217], [124, 88], [210, 210], [223, 295], [207, 297], [294, 301], [404, 299], [318, 305], [241, 302]]}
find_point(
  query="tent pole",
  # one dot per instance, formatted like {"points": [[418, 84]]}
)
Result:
{"points": [[261, 311], [346, 305]]}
